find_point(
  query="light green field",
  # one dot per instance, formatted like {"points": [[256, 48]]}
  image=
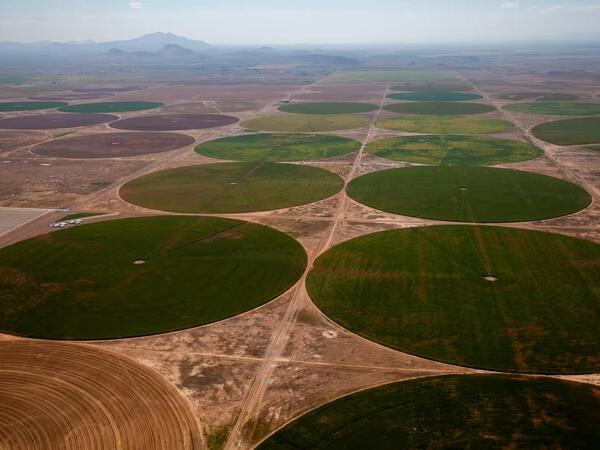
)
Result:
{"points": [[439, 108], [328, 108], [453, 150], [278, 147], [231, 187], [84, 282], [110, 107], [306, 123], [556, 108], [445, 124], [452, 412], [468, 194], [424, 291]]}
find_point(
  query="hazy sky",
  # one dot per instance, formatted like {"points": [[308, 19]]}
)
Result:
{"points": [[302, 21]]}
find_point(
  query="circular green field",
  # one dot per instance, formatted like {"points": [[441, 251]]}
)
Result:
{"points": [[28, 106], [453, 150], [110, 107], [452, 412], [278, 147], [231, 187], [468, 194], [539, 96], [306, 123], [142, 276], [328, 108], [570, 131], [435, 96], [488, 297], [556, 108], [439, 108], [445, 124]]}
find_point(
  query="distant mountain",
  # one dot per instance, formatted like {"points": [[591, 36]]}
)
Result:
{"points": [[176, 50], [155, 42]]}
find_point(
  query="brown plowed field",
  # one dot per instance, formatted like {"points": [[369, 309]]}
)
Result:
{"points": [[72, 397], [113, 145], [173, 122], [53, 121]]}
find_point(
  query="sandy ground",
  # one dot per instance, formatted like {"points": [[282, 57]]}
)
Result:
{"points": [[247, 376]]}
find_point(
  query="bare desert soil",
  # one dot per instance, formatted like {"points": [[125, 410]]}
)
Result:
{"points": [[240, 379]]}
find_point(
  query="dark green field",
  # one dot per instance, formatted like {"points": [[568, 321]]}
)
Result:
{"points": [[435, 96], [231, 187], [468, 194], [278, 147], [453, 150], [28, 106], [570, 131], [452, 412], [439, 108], [110, 107], [82, 283], [445, 124], [306, 123], [556, 108], [424, 291], [328, 108]]}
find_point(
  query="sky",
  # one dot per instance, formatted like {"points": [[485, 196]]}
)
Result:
{"points": [[303, 21]]}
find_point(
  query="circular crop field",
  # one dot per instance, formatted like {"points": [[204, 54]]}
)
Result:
{"points": [[459, 411], [28, 106], [328, 108], [439, 108], [556, 108], [453, 150], [68, 396], [54, 121], [110, 107], [469, 194], [174, 122], [231, 187], [306, 123], [435, 96], [569, 132], [278, 147], [445, 124], [488, 297], [112, 145], [142, 276]]}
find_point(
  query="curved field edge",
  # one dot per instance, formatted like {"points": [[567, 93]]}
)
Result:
{"points": [[453, 149], [480, 411], [435, 311], [278, 147], [469, 194], [569, 131], [206, 267], [232, 187]]}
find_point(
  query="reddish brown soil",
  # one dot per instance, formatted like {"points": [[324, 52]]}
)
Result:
{"points": [[53, 121], [113, 145], [173, 122]]}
